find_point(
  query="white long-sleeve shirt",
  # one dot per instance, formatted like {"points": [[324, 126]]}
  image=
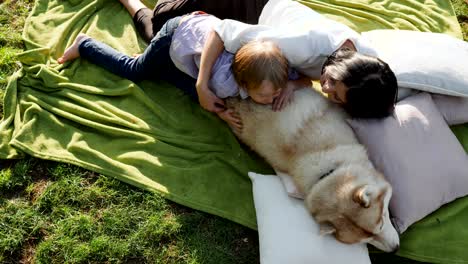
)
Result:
{"points": [[305, 37]]}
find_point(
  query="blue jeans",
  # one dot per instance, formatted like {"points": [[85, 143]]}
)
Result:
{"points": [[154, 64]]}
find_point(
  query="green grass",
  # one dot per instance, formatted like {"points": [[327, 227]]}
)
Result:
{"points": [[461, 10], [58, 213], [12, 17]]}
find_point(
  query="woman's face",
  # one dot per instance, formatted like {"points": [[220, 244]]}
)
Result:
{"points": [[336, 90]]}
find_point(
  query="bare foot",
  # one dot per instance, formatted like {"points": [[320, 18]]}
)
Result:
{"points": [[72, 52]]}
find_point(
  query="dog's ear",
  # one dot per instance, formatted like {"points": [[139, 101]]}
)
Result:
{"points": [[362, 196], [326, 228]]}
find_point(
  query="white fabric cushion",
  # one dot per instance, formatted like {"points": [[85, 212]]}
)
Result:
{"points": [[288, 233], [305, 37], [419, 155], [431, 62], [453, 109], [290, 186]]}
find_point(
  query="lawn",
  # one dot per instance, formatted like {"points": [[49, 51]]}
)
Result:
{"points": [[54, 213]]}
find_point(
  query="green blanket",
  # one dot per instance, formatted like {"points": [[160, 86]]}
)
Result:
{"points": [[152, 136]]}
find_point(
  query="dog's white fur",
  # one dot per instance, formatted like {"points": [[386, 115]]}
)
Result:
{"points": [[308, 139]]}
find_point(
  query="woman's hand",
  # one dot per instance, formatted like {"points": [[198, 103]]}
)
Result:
{"points": [[232, 118]]}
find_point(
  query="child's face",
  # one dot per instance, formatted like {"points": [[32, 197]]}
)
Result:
{"points": [[265, 93]]}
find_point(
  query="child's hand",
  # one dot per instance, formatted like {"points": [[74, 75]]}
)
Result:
{"points": [[284, 98], [233, 120], [209, 101]]}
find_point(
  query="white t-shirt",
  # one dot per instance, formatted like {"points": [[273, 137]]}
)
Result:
{"points": [[305, 37]]}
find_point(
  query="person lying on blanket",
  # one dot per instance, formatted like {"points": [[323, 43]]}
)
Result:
{"points": [[259, 66], [342, 72]]}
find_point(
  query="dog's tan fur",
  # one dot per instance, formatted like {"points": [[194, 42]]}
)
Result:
{"points": [[310, 138]]}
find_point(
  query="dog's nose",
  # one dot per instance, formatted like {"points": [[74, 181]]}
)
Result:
{"points": [[396, 248]]}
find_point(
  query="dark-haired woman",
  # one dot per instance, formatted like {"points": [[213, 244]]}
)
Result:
{"points": [[364, 85]]}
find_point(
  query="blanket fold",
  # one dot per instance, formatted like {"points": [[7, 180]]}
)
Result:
{"points": [[152, 136]]}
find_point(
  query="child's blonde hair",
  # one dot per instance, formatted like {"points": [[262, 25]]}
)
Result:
{"points": [[257, 61]]}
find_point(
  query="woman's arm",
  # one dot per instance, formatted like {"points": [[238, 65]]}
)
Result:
{"points": [[348, 44], [214, 46]]}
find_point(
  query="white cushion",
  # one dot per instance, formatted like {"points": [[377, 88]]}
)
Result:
{"points": [[288, 233], [419, 155], [290, 186], [453, 109], [431, 62]]}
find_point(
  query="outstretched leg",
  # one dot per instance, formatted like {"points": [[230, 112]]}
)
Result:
{"points": [[108, 58], [149, 65]]}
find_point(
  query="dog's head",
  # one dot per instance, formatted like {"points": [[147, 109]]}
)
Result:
{"points": [[352, 204]]}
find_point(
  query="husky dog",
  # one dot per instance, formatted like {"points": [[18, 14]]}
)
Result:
{"points": [[311, 141]]}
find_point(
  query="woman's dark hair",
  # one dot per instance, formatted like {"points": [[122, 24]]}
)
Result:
{"points": [[372, 85]]}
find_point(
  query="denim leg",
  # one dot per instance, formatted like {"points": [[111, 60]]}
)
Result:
{"points": [[169, 72], [108, 58], [147, 66], [181, 80], [155, 63]]}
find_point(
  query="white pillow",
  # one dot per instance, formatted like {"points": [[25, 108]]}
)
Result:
{"points": [[431, 62], [288, 233], [419, 155], [290, 186], [453, 109]]}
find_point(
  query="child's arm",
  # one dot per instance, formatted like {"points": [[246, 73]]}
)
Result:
{"points": [[286, 94], [233, 120], [211, 51]]}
